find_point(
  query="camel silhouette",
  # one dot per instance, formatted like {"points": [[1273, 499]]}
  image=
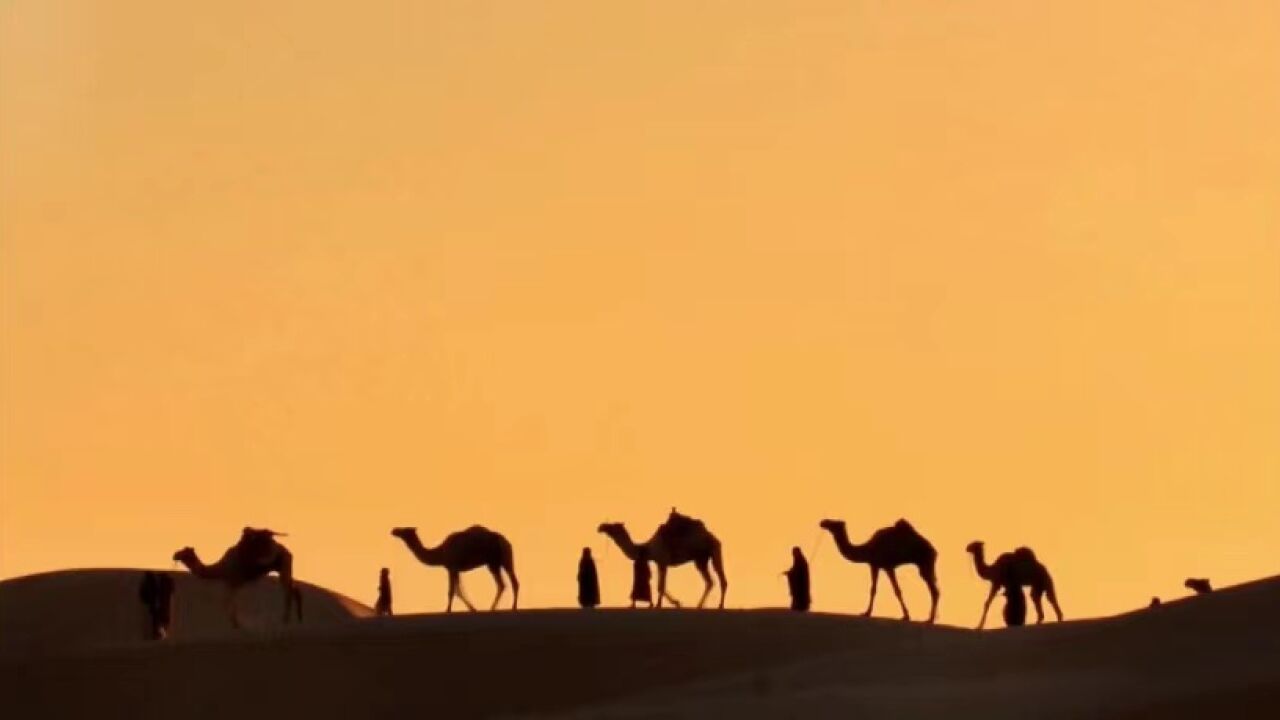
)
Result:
{"points": [[888, 548], [1020, 568], [256, 555], [1200, 586], [465, 550], [681, 539]]}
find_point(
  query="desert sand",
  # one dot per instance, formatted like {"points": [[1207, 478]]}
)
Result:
{"points": [[81, 610], [69, 647]]}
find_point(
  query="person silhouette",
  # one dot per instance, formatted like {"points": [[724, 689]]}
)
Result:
{"points": [[1015, 606], [588, 581], [383, 605], [640, 578], [798, 581], [156, 593]]}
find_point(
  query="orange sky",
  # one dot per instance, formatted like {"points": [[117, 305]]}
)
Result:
{"points": [[1008, 270]]}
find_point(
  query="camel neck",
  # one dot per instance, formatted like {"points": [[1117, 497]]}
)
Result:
{"points": [[856, 553], [199, 569], [623, 540], [425, 555], [980, 564]]}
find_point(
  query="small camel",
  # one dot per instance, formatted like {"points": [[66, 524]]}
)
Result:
{"points": [[888, 548], [465, 550], [1020, 568], [680, 540], [256, 555], [1199, 586]]}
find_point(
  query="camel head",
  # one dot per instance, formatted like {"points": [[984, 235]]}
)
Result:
{"points": [[405, 533], [832, 525], [609, 528], [186, 555], [975, 548]]}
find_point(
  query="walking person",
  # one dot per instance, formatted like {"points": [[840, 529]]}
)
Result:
{"points": [[640, 578], [156, 593], [383, 606], [1015, 606], [798, 581], [588, 581]]}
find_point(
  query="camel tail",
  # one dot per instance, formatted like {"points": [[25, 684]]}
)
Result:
{"points": [[929, 567], [928, 555]]}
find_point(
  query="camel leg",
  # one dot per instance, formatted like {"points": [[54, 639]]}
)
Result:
{"points": [[1053, 597], [287, 587], [706, 583], [453, 590], [875, 580], [284, 568], [232, 613], [987, 605], [462, 595], [502, 586], [930, 577], [1037, 592], [515, 585], [717, 562], [662, 588], [893, 580]]}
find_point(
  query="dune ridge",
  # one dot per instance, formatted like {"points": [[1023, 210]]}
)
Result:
{"points": [[1184, 659], [75, 610]]}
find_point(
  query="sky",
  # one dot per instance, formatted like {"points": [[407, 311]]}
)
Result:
{"points": [[1008, 270]]}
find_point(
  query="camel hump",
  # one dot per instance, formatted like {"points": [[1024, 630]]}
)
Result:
{"points": [[680, 526], [905, 532], [475, 532], [902, 528], [257, 547], [257, 539], [1025, 554]]}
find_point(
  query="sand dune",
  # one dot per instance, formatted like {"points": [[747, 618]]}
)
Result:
{"points": [[1196, 658], [85, 609]]}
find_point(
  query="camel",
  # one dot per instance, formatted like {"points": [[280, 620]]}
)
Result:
{"points": [[888, 548], [1020, 568], [680, 540], [256, 555], [1199, 586], [466, 550]]}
